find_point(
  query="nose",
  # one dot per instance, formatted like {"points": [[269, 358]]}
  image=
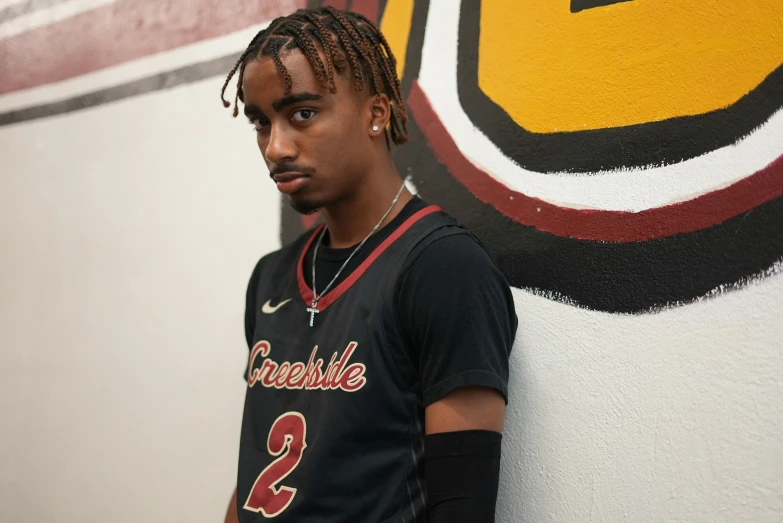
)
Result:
{"points": [[280, 148]]}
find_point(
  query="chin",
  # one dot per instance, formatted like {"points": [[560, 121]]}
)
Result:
{"points": [[305, 206]]}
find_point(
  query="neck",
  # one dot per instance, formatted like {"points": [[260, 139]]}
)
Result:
{"points": [[351, 220]]}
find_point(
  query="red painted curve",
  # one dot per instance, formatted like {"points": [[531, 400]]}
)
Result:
{"points": [[123, 31], [369, 8], [337, 4], [612, 226]]}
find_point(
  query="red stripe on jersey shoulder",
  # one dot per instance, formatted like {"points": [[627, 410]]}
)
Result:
{"points": [[332, 296]]}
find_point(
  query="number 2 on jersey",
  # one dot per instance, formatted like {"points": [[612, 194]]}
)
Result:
{"points": [[287, 434]]}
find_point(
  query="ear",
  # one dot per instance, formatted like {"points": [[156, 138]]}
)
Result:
{"points": [[380, 114]]}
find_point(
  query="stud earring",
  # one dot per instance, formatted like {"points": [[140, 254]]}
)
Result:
{"points": [[375, 128]]}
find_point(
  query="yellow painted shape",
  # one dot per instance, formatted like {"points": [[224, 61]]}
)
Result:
{"points": [[627, 63], [396, 27]]}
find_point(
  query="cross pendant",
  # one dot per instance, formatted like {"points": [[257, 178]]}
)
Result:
{"points": [[313, 311]]}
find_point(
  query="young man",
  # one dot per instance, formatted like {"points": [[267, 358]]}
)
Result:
{"points": [[379, 342]]}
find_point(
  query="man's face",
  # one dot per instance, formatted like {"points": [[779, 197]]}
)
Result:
{"points": [[316, 144]]}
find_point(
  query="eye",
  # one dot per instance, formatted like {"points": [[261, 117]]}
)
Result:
{"points": [[259, 124], [302, 115]]}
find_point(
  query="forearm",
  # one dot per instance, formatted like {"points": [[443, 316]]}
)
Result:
{"points": [[231, 511]]}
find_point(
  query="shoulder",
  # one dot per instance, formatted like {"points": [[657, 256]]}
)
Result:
{"points": [[452, 264], [450, 249], [450, 272], [454, 276]]}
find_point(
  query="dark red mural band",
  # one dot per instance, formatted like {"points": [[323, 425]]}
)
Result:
{"points": [[337, 4], [368, 8], [613, 226], [118, 32]]}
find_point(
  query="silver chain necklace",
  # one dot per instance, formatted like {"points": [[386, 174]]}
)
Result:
{"points": [[313, 309]]}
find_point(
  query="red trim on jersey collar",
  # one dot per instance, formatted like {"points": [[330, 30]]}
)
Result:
{"points": [[332, 296]]}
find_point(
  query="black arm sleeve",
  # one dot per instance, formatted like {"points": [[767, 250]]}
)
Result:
{"points": [[458, 315], [461, 473]]}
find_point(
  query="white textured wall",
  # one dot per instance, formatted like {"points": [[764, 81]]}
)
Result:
{"points": [[128, 234], [675, 416]]}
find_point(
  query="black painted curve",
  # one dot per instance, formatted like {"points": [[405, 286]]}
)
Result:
{"points": [[634, 277], [581, 5]]}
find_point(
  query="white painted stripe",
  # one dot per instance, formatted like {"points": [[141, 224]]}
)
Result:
{"points": [[48, 16], [618, 190], [133, 70]]}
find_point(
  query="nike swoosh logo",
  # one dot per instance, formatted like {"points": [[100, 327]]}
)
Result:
{"points": [[267, 308]]}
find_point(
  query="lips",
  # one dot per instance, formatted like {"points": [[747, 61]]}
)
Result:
{"points": [[290, 182], [287, 177]]}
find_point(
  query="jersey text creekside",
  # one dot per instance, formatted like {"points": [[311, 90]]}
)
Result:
{"points": [[338, 374]]}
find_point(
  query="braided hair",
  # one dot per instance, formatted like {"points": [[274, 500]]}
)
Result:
{"points": [[347, 40]]}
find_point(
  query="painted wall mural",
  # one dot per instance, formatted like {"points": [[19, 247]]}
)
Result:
{"points": [[622, 160], [603, 163], [622, 169]]}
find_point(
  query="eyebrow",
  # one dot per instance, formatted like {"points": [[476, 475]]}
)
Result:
{"points": [[291, 99], [279, 105]]}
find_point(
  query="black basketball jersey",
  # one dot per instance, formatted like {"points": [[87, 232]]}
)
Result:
{"points": [[333, 424]]}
